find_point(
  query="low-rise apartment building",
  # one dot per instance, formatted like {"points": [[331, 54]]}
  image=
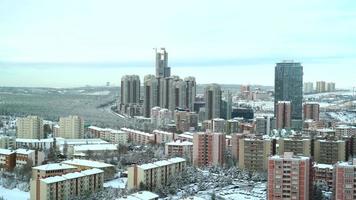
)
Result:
{"points": [[7, 159], [152, 175], [109, 170], [139, 137]]}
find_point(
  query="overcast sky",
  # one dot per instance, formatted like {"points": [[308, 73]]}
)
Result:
{"points": [[216, 41]]}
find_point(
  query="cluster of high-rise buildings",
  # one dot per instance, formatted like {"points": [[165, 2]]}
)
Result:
{"points": [[320, 87], [32, 127]]}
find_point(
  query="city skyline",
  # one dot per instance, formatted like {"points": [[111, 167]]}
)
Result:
{"points": [[229, 39]]}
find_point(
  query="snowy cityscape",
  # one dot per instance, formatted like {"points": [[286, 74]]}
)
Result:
{"points": [[188, 100]]}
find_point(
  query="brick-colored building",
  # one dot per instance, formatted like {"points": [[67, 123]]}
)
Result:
{"points": [[23, 155], [311, 111], [289, 177], [208, 149], [7, 159], [283, 115], [344, 180]]}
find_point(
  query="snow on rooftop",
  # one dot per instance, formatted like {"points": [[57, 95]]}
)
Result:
{"points": [[161, 163], [136, 131], [92, 171], [148, 166], [323, 166], [142, 195], [24, 151], [54, 166], [53, 179], [162, 132], [6, 151], [34, 140], [73, 175], [145, 195], [88, 163], [95, 147], [176, 160], [180, 143], [62, 141]]}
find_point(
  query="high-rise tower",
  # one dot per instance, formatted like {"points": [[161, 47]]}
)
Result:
{"points": [[288, 86], [212, 101], [162, 69]]}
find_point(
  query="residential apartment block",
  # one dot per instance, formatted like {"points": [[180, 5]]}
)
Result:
{"points": [[299, 146], [7, 159], [179, 148], [71, 127], [30, 127], [139, 137], [108, 134], [208, 149], [329, 151], [254, 153], [344, 180], [289, 177], [152, 175]]}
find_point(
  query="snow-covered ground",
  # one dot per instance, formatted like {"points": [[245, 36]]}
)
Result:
{"points": [[346, 117], [116, 183], [240, 189], [14, 194]]}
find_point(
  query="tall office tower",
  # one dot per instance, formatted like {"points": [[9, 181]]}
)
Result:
{"points": [[311, 111], [191, 87], [208, 149], [344, 180], [30, 127], [320, 86], [178, 94], [167, 92], [253, 153], [330, 87], [308, 87], [150, 94], [288, 86], [289, 177], [283, 115], [130, 89], [229, 105], [212, 101], [71, 127], [130, 95], [162, 69]]}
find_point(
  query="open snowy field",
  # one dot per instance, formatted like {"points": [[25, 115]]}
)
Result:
{"points": [[14, 194]]}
